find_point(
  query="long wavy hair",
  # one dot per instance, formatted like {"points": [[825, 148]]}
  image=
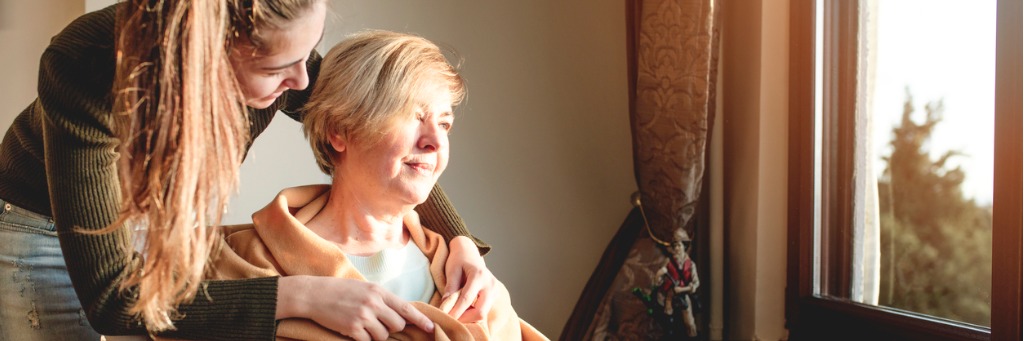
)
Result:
{"points": [[184, 130]]}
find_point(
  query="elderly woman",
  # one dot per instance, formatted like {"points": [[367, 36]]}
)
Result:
{"points": [[378, 122]]}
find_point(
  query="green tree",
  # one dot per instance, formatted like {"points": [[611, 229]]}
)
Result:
{"points": [[936, 244]]}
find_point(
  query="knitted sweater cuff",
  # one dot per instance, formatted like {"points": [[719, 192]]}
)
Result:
{"points": [[231, 310]]}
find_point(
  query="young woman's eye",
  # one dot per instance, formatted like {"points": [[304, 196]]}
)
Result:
{"points": [[445, 125]]}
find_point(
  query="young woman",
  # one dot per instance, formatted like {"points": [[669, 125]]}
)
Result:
{"points": [[144, 112]]}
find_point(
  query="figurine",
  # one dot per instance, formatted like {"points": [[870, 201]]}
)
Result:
{"points": [[672, 295]]}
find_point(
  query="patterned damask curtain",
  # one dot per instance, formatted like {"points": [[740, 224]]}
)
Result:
{"points": [[647, 286]]}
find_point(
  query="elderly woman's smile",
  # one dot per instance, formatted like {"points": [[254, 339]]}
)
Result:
{"points": [[424, 168]]}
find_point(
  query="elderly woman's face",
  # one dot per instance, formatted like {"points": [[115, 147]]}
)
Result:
{"points": [[406, 163]]}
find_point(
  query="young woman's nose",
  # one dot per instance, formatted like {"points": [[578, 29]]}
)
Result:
{"points": [[299, 78]]}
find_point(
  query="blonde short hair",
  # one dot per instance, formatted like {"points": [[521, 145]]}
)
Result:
{"points": [[368, 80]]}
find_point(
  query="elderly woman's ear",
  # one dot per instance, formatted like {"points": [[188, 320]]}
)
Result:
{"points": [[338, 142]]}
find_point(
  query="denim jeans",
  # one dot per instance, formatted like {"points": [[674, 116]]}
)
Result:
{"points": [[37, 301]]}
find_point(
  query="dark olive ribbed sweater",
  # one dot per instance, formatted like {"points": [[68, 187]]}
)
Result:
{"points": [[59, 158]]}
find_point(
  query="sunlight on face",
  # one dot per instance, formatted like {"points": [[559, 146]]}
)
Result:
{"points": [[404, 166], [263, 77]]}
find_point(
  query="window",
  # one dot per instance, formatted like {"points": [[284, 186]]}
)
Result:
{"points": [[905, 172]]}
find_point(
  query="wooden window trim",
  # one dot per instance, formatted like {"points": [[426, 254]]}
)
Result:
{"points": [[1007, 223], [810, 316], [840, 96]]}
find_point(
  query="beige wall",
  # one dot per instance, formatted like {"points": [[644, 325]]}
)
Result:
{"points": [[755, 52], [541, 160], [25, 29], [541, 164]]}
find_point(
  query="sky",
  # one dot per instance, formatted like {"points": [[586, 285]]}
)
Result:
{"points": [[940, 49]]}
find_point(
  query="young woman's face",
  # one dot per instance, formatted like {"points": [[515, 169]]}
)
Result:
{"points": [[404, 165], [280, 65]]}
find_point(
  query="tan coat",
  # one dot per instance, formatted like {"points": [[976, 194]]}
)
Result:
{"points": [[279, 244]]}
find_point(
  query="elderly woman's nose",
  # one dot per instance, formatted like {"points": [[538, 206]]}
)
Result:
{"points": [[433, 137]]}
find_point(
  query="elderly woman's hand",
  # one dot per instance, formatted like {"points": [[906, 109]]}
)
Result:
{"points": [[361, 310], [468, 275]]}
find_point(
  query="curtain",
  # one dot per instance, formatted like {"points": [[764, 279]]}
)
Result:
{"points": [[866, 251], [647, 285]]}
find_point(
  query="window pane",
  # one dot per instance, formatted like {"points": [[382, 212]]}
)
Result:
{"points": [[922, 159]]}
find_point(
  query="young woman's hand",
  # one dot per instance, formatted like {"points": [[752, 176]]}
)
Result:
{"points": [[468, 275], [361, 310]]}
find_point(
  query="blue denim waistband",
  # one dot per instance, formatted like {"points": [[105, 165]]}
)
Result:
{"points": [[9, 207]]}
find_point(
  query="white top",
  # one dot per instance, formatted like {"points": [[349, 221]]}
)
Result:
{"points": [[404, 272]]}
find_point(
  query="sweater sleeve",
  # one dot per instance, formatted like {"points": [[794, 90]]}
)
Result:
{"points": [[437, 212], [80, 156]]}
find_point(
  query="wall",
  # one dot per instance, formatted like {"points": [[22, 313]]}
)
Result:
{"points": [[25, 29], [541, 160], [541, 163], [755, 49]]}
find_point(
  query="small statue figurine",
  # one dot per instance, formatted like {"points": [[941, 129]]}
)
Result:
{"points": [[679, 281], [671, 296]]}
